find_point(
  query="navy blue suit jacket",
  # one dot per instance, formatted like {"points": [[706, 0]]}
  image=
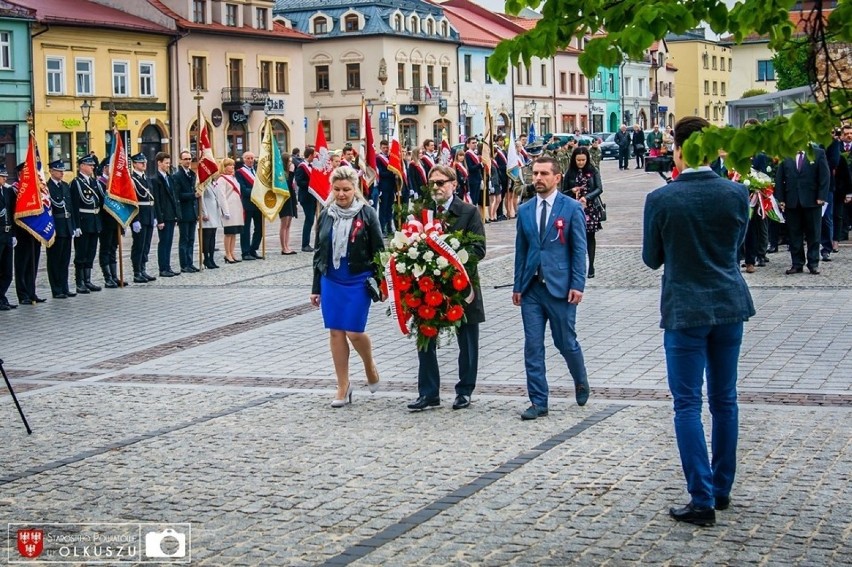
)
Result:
{"points": [[562, 264]]}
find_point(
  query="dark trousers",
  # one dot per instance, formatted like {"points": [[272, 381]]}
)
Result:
{"points": [[309, 205], [474, 185], [429, 376], [141, 247], [208, 241], [840, 218], [591, 246], [27, 254], [762, 236], [164, 246], [803, 226], [85, 249], [386, 209], [109, 245], [640, 159], [6, 264], [250, 242], [58, 260], [186, 242], [827, 228], [623, 158], [751, 239]]}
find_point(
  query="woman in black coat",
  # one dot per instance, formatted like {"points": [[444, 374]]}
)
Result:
{"points": [[639, 146], [583, 183]]}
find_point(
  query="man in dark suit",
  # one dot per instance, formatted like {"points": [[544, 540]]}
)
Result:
{"points": [[87, 201], [695, 225], [302, 177], [550, 276], [623, 139], [249, 242], [183, 182], [143, 224], [7, 239], [387, 188], [718, 166], [59, 255], [457, 216], [474, 171], [110, 230], [166, 210], [801, 188]]}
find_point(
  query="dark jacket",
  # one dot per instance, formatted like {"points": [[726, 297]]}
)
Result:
{"points": [[7, 214], [87, 201], [594, 188], [165, 199], [465, 217], [359, 253], [183, 184], [719, 168], [802, 189], [302, 178], [638, 139], [623, 139], [246, 181], [695, 226], [61, 207], [145, 198]]}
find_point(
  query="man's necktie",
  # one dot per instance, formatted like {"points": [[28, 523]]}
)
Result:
{"points": [[848, 147], [441, 209], [799, 161], [542, 226]]}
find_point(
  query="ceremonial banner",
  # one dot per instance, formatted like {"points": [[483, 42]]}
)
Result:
{"points": [[488, 142], [270, 190], [120, 200], [395, 161], [32, 213], [514, 163], [320, 185], [446, 157], [367, 163], [208, 169]]}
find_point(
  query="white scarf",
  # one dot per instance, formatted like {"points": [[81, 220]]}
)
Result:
{"points": [[341, 228]]}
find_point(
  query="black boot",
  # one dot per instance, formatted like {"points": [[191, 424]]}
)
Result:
{"points": [[87, 280], [115, 276], [137, 275], [109, 282], [78, 276], [146, 275]]}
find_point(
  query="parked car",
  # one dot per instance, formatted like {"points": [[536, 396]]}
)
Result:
{"points": [[609, 149]]}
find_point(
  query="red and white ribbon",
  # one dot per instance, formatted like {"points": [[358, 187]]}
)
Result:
{"points": [[397, 312]]}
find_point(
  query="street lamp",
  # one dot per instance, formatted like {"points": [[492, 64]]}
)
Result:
{"points": [[463, 122], [86, 111], [246, 108]]}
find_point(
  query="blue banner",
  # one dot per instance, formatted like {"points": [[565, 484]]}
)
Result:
{"points": [[121, 212], [40, 226]]}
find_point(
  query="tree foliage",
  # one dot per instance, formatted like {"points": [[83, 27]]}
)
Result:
{"points": [[753, 92], [631, 26], [792, 65]]}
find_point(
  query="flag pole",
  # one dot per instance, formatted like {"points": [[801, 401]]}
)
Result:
{"points": [[263, 236], [120, 232], [198, 98]]}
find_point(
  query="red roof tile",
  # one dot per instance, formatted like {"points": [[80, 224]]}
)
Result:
{"points": [[526, 23], [89, 14]]}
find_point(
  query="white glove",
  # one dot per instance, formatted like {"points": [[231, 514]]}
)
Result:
{"points": [[154, 223], [136, 226], [370, 202], [14, 242], [412, 194], [77, 232], [227, 216]]}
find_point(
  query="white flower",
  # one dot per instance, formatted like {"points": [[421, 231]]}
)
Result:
{"points": [[768, 168], [442, 262], [454, 242], [399, 241], [436, 272], [418, 270], [463, 256], [413, 253], [428, 255], [747, 182], [422, 236], [400, 267]]}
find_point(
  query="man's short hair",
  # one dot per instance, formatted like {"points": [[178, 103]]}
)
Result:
{"points": [[554, 165], [686, 126], [444, 170], [161, 156], [751, 122], [428, 141], [309, 152], [384, 143]]}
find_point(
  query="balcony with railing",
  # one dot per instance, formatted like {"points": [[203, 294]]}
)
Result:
{"points": [[419, 95], [236, 96]]}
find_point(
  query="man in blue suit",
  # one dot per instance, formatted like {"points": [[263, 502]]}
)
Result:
{"points": [[550, 275], [695, 225]]}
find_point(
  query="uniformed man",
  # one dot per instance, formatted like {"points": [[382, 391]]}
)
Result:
{"points": [[27, 255], [7, 239], [59, 255], [145, 221], [249, 241], [108, 238], [86, 202], [387, 188], [474, 171]]}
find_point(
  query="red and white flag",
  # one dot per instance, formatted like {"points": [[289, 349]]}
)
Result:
{"points": [[367, 163], [427, 91], [208, 169], [446, 154], [395, 161], [320, 183]]}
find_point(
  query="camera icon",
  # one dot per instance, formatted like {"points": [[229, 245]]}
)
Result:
{"points": [[154, 544]]}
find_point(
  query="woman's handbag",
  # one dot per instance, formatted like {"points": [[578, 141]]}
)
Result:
{"points": [[601, 207], [373, 289]]}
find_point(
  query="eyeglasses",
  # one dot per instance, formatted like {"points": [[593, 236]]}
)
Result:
{"points": [[439, 182]]}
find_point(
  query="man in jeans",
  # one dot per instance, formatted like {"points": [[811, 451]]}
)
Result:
{"points": [[702, 317]]}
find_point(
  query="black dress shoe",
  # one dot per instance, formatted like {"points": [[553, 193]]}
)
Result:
{"points": [[814, 271], [461, 402], [307, 248], [60, 296], [794, 270], [166, 274], [5, 307], [38, 299], [256, 255], [422, 403], [699, 516], [533, 412], [723, 502], [248, 257], [826, 258], [761, 262]]}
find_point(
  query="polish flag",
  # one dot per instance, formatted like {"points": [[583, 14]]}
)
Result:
{"points": [[367, 163], [320, 184], [208, 169], [395, 161]]}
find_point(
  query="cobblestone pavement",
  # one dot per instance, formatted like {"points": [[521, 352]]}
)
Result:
{"points": [[204, 399]]}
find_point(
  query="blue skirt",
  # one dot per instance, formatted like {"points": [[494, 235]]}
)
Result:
{"points": [[344, 300]]}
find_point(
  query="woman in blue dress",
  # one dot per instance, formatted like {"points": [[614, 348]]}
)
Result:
{"points": [[349, 236]]}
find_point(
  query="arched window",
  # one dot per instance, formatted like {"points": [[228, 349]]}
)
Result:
{"points": [[320, 25], [281, 134], [415, 24], [430, 27], [397, 23], [445, 29], [350, 23], [408, 132]]}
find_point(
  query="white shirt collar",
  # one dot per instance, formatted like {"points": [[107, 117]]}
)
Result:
{"points": [[550, 200]]}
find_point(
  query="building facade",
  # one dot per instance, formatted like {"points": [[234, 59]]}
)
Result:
{"points": [[635, 93], [703, 76], [15, 84], [605, 100], [570, 91], [662, 81], [752, 67]]}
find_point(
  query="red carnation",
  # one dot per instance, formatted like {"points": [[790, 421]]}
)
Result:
{"points": [[459, 282], [426, 312], [434, 298], [426, 284], [404, 284], [412, 301], [428, 331], [455, 313]]}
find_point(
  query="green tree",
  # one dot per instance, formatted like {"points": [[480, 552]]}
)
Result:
{"points": [[753, 92], [792, 64], [633, 25]]}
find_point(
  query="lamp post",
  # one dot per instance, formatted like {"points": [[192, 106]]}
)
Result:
{"points": [[636, 112], [463, 107], [533, 106], [86, 111], [246, 108]]}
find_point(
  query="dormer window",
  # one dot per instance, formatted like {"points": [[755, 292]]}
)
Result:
{"points": [[430, 27], [231, 15], [445, 29], [415, 24], [397, 23], [199, 11], [261, 18], [320, 26], [350, 23]]}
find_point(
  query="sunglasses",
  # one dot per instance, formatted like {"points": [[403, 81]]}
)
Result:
{"points": [[440, 182]]}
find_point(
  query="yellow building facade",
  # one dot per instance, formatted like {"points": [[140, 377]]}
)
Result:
{"points": [[703, 78], [117, 70]]}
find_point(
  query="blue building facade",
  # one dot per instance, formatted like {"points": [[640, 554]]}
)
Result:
{"points": [[605, 100], [15, 83]]}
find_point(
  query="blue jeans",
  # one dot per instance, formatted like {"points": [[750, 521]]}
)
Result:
{"points": [[689, 353]]}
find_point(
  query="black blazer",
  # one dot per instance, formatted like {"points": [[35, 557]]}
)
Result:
{"points": [[594, 188], [165, 199], [61, 206], [7, 214], [145, 198], [183, 184], [86, 197], [802, 189], [465, 217], [360, 253]]}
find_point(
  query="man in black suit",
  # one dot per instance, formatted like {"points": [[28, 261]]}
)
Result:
{"points": [[143, 224], [166, 211], [302, 178], [183, 183], [249, 242], [59, 255], [801, 188], [457, 216], [7, 239], [623, 139], [474, 171], [87, 201], [110, 230]]}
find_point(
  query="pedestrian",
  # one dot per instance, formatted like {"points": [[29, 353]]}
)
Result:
{"points": [[86, 200], [212, 213], [249, 241], [458, 216], [289, 210], [474, 172], [638, 141], [595, 153], [167, 213], [110, 230], [460, 166], [142, 227], [417, 177], [550, 276], [583, 183], [349, 237], [7, 239], [695, 225], [184, 181], [302, 180], [623, 139], [387, 180], [654, 141], [232, 208], [59, 255]]}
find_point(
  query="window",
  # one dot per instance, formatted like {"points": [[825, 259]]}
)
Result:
{"points": [[721, 63], [430, 75], [353, 129], [715, 113], [59, 147], [705, 60], [350, 23], [326, 129], [266, 75], [528, 73], [445, 29], [729, 63], [611, 83], [146, 79], [199, 11], [544, 75], [322, 78], [724, 93], [235, 73], [715, 88], [397, 23], [430, 27], [582, 81], [487, 74], [415, 24], [518, 74], [120, 78], [231, 15], [627, 86], [320, 26], [260, 18], [83, 69], [55, 75], [641, 88], [765, 70], [706, 87], [400, 75], [445, 73], [707, 112], [415, 77], [199, 73], [5, 50], [467, 78], [353, 76], [599, 83], [715, 66], [282, 73], [563, 81]]}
